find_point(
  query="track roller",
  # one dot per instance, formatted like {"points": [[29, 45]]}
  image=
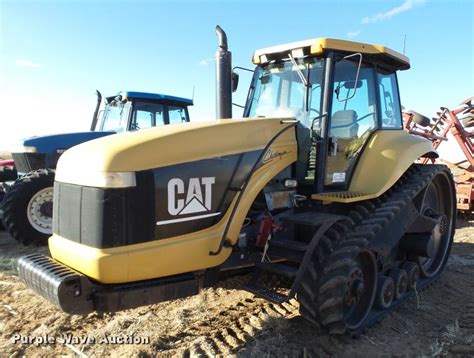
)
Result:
{"points": [[413, 274], [400, 281], [385, 292]]}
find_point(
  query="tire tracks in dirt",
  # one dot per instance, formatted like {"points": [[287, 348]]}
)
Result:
{"points": [[229, 325], [228, 329]]}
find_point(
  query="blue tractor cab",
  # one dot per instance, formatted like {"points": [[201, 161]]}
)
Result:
{"points": [[27, 205]]}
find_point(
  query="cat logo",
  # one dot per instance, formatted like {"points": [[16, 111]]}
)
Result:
{"points": [[196, 199]]}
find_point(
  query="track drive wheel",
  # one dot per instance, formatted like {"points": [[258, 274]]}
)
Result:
{"points": [[439, 201], [28, 207], [343, 295]]}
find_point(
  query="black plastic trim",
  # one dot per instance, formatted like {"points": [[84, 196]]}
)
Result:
{"points": [[75, 293], [105, 218], [27, 162]]}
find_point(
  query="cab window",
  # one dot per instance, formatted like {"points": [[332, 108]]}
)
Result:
{"points": [[176, 114], [353, 119], [146, 115], [389, 101]]}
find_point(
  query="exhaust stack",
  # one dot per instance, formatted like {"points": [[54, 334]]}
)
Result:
{"points": [[223, 77], [96, 112]]}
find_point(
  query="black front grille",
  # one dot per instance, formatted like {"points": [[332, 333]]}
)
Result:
{"points": [[27, 162], [105, 218]]}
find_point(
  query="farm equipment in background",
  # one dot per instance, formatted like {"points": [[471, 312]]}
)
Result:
{"points": [[8, 174], [27, 205], [460, 124], [7, 170], [317, 185]]}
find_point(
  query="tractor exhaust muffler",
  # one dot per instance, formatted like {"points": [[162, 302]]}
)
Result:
{"points": [[223, 77], [96, 111]]}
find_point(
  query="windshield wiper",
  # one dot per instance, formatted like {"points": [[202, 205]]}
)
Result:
{"points": [[304, 80]]}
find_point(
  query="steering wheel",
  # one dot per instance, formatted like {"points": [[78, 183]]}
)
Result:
{"points": [[314, 110], [363, 117], [134, 126]]}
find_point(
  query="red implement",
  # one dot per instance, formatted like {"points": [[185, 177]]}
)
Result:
{"points": [[459, 123], [7, 163]]}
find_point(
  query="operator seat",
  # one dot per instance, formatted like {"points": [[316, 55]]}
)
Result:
{"points": [[344, 124]]}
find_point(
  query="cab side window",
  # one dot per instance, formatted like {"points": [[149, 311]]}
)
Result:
{"points": [[143, 119], [389, 101], [176, 114], [353, 119], [146, 115]]}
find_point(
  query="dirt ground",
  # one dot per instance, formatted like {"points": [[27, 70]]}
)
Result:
{"points": [[226, 321]]}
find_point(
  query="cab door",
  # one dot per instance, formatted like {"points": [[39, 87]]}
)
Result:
{"points": [[351, 121]]}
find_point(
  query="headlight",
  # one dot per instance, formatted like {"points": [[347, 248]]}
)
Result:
{"points": [[98, 179], [30, 149], [23, 149]]}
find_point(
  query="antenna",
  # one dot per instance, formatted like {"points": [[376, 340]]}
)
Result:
{"points": [[404, 43], [192, 99]]}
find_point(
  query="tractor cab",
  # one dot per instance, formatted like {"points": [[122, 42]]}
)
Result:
{"points": [[129, 111], [340, 93]]}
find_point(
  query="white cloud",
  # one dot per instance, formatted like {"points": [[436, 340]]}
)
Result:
{"points": [[206, 61], [27, 63], [382, 16], [352, 34]]}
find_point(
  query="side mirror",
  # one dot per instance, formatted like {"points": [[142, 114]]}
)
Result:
{"points": [[356, 82], [267, 78], [235, 81], [352, 84]]}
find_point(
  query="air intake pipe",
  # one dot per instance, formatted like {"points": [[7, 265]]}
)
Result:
{"points": [[96, 112], [223, 77]]}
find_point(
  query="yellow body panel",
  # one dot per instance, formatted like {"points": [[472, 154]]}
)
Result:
{"points": [[386, 157], [173, 144], [189, 252], [319, 45]]}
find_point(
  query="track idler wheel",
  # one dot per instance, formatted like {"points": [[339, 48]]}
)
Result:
{"points": [[400, 281], [413, 274], [385, 292], [439, 200]]}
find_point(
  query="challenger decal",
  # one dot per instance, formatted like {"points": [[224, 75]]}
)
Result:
{"points": [[272, 154], [197, 199]]}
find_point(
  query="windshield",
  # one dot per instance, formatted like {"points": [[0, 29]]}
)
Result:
{"points": [[115, 116], [280, 92]]}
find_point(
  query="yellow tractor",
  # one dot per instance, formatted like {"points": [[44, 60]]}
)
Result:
{"points": [[316, 185]]}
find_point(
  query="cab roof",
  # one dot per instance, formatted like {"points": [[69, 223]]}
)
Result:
{"points": [[319, 46], [131, 95]]}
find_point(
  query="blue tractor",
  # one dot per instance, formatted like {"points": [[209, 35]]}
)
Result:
{"points": [[27, 205]]}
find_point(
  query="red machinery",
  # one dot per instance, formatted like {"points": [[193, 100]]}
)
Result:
{"points": [[437, 130]]}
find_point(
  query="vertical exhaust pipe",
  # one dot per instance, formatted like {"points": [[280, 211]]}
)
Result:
{"points": [[223, 77], [96, 112]]}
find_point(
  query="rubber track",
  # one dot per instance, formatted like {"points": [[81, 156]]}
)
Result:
{"points": [[337, 256]]}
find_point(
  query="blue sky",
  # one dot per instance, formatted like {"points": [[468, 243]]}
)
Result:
{"points": [[54, 54]]}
